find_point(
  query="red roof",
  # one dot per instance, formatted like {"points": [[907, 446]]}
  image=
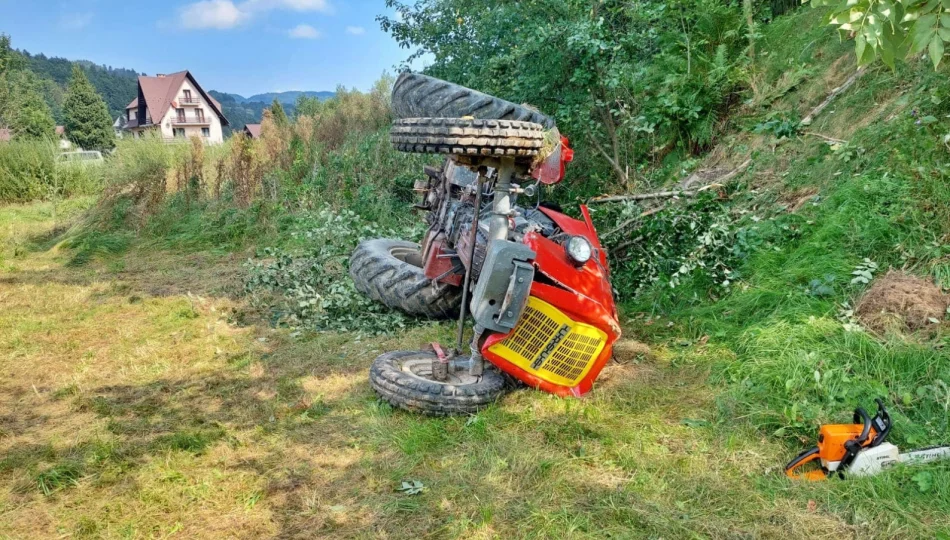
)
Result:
{"points": [[254, 130], [160, 92]]}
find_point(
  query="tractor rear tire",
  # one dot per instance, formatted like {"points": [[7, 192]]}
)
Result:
{"points": [[390, 272], [403, 379], [468, 137], [417, 96]]}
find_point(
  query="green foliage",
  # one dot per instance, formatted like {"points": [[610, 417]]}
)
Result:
{"points": [[280, 117], [88, 124], [698, 243], [117, 86], [794, 354], [28, 170], [892, 29], [864, 272], [313, 287], [9, 59], [779, 126], [22, 107], [63, 475], [629, 82]]}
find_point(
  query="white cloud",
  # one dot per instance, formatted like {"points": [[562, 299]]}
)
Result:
{"points": [[355, 30], [226, 14], [295, 5], [75, 21], [217, 14], [304, 31]]}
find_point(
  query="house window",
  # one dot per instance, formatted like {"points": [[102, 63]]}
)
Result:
{"points": [[205, 132], [200, 115], [179, 133], [187, 96], [131, 115], [181, 114]]}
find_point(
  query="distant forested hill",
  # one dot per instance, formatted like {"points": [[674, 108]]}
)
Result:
{"points": [[240, 113], [286, 98], [289, 98], [241, 110], [116, 85]]}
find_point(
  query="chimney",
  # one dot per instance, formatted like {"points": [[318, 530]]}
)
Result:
{"points": [[160, 75]]}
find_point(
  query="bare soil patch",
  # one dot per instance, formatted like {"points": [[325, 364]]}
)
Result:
{"points": [[902, 302], [629, 350]]}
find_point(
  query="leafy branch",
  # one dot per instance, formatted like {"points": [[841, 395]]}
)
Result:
{"points": [[892, 29]]}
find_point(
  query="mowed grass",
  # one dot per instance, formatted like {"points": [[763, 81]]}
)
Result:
{"points": [[133, 411]]}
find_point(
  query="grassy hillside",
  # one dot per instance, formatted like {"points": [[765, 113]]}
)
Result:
{"points": [[190, 358]]}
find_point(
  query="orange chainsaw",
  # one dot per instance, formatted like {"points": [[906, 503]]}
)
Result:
{"points": [[858, 448]]}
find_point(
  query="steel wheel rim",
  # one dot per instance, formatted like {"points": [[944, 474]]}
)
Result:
{"points": [[421, 368]]}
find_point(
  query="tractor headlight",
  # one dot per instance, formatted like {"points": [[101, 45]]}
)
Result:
{"points": [[579, 250]]}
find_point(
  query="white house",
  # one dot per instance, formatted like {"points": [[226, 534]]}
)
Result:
{"points": [[175, 107]]}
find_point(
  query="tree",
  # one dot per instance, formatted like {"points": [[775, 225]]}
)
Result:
{"points": [[892, 29], [627, 81], [88, 123], [10, 60], [33, 119], [278, 115], [22, 108]]}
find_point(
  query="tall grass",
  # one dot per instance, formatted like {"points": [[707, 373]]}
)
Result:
{"points": [[28, 171], [334, 154]]}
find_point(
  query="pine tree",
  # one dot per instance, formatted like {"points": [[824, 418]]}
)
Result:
{"points": [[33, 119], [88, 124], [23, 109], [279, 116]]}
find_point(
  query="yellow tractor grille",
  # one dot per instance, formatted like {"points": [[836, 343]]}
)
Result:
{"points": [[550, 345]]}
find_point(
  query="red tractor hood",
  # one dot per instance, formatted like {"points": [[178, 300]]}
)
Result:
{"points": [[582, 293]]}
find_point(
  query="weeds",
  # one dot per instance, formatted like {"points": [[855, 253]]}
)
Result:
{"points": [[59, 477], [28, 171]]}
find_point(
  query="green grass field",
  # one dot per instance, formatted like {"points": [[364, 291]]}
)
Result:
{"points": [[136, 406]]}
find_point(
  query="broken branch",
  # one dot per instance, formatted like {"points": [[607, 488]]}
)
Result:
{"points": [[679, 193], [826, 138], [832, 96]]}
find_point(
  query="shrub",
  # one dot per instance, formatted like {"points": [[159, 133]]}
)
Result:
{"points": [[28, 171]]}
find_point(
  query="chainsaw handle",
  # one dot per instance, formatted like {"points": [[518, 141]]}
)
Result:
{"points": [[882, 423], [802, 459], [862, 417]]}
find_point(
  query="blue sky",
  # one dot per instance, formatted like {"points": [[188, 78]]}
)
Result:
{"points": [[240, 46]]}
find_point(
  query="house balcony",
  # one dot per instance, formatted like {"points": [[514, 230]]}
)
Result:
{"points": [[191, 121], [188, 101]]}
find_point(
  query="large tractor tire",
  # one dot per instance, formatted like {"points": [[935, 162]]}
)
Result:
{"points": [[420, 96], [390, 272], [404, 380], [465, 136]]}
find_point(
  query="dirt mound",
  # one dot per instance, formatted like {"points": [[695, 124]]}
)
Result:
{"points": [[628, 350], [900, 301]]}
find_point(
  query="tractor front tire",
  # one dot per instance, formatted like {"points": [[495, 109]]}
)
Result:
{"points": [[416, 95], [404, 380], [468, 137], [390, 272]]}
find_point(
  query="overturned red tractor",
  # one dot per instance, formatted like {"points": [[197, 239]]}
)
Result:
{"points": [[535, 281]]}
